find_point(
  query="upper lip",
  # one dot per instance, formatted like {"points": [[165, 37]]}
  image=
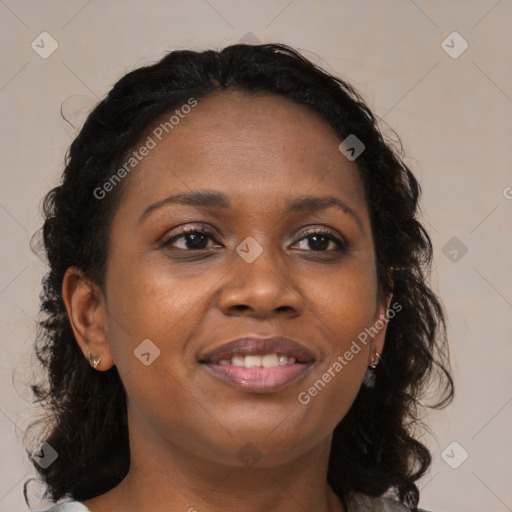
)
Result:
{"points": [[254, 345]]}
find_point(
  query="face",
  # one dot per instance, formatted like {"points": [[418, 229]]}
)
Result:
{"points": [[258, 261]]}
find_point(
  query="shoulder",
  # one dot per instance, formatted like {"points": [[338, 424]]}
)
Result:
{"points": [[362, 503], [69, 506]]}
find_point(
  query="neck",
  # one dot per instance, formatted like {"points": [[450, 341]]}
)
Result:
{"points": [[175, 479]]}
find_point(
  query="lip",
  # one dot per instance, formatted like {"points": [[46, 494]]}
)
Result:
{"points": [[259, 379]]}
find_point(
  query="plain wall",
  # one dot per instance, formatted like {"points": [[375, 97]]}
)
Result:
{"points": [[453, 116]]}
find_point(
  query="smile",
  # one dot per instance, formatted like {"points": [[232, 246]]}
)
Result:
{"points": [[257, 365]]}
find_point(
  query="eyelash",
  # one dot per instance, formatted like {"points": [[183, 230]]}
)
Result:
{"points": [[187, 230]]}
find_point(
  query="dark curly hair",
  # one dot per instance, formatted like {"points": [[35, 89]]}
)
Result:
{"points": [[374, 449]]}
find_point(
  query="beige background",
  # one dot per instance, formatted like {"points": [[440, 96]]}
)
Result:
{"points": [[453, 115]]}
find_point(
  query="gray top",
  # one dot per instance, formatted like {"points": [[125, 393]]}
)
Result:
{"points": [[356, 503], [69, 506]]}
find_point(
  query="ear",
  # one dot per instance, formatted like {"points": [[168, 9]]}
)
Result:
{"points": [[85, 304], [381, 319]]}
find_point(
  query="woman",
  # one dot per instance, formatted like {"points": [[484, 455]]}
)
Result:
{"points": [[236, 311]]}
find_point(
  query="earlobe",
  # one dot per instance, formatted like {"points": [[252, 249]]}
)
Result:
{"points": [[85, 306]]}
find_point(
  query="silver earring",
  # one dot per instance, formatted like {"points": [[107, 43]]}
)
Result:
{"points": [[95, 362]]}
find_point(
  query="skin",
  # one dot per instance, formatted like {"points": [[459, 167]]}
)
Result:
{"points": [[187, 426]]}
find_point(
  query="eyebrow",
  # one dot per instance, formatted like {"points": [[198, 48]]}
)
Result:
{"points": [[212, 199]]}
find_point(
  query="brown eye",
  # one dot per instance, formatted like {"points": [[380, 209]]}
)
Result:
{"points": [[321, 241], [189, 239]]}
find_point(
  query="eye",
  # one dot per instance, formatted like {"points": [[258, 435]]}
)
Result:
{"points": [[322, 240], [197, 238], [189, 238]]}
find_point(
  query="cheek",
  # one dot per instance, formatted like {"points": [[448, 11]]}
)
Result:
{"points": [[345, 301], [330, 391], [150, 302]]}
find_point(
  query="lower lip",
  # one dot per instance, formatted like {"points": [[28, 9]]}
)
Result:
{"points": [[259, 380]]}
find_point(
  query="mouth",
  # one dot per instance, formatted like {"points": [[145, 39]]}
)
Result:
{"points": [[259, 365]]}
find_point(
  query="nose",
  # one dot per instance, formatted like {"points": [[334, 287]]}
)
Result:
{"points": [[262, 288]]}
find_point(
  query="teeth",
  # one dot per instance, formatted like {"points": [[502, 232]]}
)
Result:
{"points": [[269, 361], [256, 361], [252, 361], [238, 361]]}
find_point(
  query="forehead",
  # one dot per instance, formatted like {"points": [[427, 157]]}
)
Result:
{"points": [[252, 146]]}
